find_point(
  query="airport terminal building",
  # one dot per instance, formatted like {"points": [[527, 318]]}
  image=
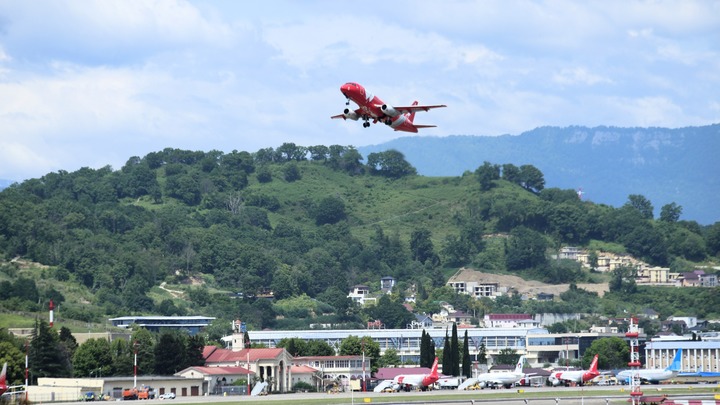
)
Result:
{"points": [[538, 345]]}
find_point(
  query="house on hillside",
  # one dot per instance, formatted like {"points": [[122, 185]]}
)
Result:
{"points": [[524, 321], [361, 295], [386, 284], [475, 284]]}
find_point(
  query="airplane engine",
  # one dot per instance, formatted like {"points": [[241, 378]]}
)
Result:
{"points": [[555, 382], [350, 114], [389, 110]]}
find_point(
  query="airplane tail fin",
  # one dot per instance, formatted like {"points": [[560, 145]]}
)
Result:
{"points": [[676, 363], [594, 365], [519, 365], [3, 375], [411, 117], [433, 370]]}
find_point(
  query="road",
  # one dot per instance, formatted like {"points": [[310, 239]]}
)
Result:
{"points": [[533, 396]]}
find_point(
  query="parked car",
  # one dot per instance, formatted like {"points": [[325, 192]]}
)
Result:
{"points": [[168, 395]]}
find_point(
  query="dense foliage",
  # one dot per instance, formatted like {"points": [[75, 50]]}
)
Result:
{"points": [[281, 235]]}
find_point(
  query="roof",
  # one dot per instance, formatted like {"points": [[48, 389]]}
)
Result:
{"points": [[229, 356], [306, 358], [210, 371], [465, 275], [302, 370], [509, 317]]}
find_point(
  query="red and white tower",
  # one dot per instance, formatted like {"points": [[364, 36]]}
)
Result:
{"points": [[52, 313], [634, 363]]}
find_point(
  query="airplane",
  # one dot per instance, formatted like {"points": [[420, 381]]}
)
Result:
{"points": [[3, 380], [579, 376], [502, 379], [4, 388], [370, 107], [654, 376], [421, 381]]}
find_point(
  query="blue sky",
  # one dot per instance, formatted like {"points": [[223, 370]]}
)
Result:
{"points": [[91, 83]]}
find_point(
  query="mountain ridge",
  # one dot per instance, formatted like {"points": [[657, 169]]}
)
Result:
{"points": [[608, 163]]}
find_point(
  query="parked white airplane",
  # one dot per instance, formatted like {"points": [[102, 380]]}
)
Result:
{"points": [[654, 376], [502, 379], [575, 376]]}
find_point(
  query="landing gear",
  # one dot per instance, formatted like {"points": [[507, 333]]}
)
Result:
{"points": [[366, 124]]}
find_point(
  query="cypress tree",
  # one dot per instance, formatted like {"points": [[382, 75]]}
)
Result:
{"points": [[425, 350], [466, 364], [446, 361], [455, 351]]}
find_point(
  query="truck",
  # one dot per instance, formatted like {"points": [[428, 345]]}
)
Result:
{"points": [[138, 393]]}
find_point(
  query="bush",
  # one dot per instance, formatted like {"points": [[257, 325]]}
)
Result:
{"points": [[303, 386]]}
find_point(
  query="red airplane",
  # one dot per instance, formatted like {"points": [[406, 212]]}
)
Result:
{"points": [[579, 377], [3, 380], [372, 108]]}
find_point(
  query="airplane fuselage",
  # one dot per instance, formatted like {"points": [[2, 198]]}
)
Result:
{"points": [[649, 375]]}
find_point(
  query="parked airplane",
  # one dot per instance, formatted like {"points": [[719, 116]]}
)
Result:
{"points": [[3, 380], [6, 390], [579, 376], [502, 379], [654, 376], [421, 381], [370, 107]]}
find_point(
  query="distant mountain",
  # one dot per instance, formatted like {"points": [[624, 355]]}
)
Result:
{"points": [[665, 165]]}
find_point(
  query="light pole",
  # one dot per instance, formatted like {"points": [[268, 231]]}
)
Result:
{"points": [[135, 346]]}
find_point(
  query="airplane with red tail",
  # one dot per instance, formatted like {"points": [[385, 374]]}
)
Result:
{"points": [[3, 380], [421, 381], [579, 377], [371, 108]]}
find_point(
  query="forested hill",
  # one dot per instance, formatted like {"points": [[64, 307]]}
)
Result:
{"points": [[608, 163], [305, 223]]}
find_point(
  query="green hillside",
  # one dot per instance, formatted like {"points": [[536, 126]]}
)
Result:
{"points": [[179, 232]]}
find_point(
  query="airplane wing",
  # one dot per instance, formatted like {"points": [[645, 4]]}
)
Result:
{"points": [[425, 126], [353, 115], [414, 108]]}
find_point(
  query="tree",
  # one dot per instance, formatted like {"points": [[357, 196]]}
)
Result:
{"points": [[389, 358], [613, 353], [291, 172], [486, 175], [447, 365], [121, 353], [46, 355], [482, 354], [670, 212], [525, 249], [329, 210], [507, 356], [466, 361], [641, 205], [170, 353], [390, 164], [421, 246], [427, 350], [454, 351], [531, 178], [354, 346], [143, 342], [93, 359]]}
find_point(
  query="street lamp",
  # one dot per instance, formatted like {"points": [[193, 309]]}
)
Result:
{"points": [[135, 346]]}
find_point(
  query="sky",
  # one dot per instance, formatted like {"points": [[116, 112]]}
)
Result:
{"points": [[93, 83]]}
